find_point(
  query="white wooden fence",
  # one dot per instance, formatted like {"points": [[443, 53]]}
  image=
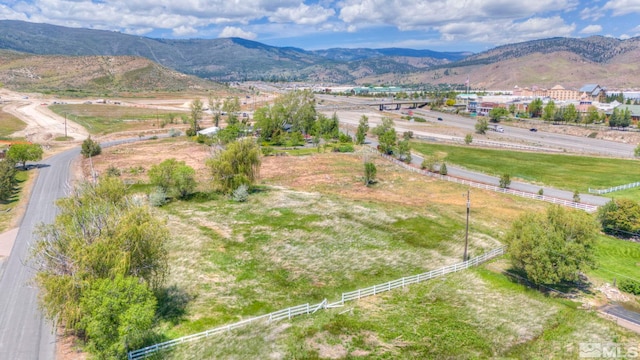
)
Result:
{"points": [[288, 313], [615, 188]]}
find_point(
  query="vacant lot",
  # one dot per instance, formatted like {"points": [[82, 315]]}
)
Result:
{"points": [[104, 119], [312, 230]]}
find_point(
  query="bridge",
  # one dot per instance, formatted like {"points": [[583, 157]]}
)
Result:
{"points": [[389, 105]]}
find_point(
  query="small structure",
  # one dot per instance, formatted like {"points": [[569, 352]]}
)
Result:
{"points": [[209, 131]]}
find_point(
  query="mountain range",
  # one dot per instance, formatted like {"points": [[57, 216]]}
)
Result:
{"points": [[570, 62]]}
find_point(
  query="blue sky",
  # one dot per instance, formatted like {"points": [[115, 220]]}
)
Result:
{"points": [[440, 25]]}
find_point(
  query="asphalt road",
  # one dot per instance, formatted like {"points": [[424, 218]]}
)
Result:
{"points": [[543, 139], [24, 333]]}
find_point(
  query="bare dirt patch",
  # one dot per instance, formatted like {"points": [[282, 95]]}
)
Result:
{"points": [[135, 159]]}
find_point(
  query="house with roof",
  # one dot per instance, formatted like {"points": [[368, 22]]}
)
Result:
{"points": [[633, 109], [593, 92]]}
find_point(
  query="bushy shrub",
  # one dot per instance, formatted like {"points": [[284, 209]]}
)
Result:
{"points": [[174, 133], [158, 197], [267, 150], [443, 169], [419, 119], [505, 181], [241, 193], [344, 138], [90, 148], [343, 148], [113, 171], [629, 286]]}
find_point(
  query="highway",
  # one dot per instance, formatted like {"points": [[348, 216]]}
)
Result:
{"points": [[567, 143]]}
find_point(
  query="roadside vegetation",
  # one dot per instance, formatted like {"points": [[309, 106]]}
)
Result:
{"points": [[569, 172]]}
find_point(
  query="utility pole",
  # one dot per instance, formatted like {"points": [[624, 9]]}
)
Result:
{"points": [[466, 235], [65, 126]]}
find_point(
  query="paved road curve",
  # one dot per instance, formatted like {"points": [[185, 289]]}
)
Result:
{"points": [[24, 333]]}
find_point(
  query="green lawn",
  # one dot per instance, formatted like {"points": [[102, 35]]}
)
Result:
{"points": [[9, 124], [561, 171], [616, 258], [104, 119]]}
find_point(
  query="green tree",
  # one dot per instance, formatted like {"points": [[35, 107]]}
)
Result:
{"points": [[231, 106], [468, 139], [21, 153], [238, 164], [118, 314], [636, 151], [592, 115], [295, 109], [505, 181], [443, 169], [620, 217], [90, 148], [363, 127], [214, 106], [496, 114], [197, 111], [549, 111], [482, 125], [403, 151], [369, 173], [387, 136], [570, 114], [174, 177], [7, 179], [535, 107], [554, 246], [99, 233]]}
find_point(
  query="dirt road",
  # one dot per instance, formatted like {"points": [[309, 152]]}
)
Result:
{"points": [[43, 125]]}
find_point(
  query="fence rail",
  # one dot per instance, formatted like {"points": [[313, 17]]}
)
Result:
{"points": [[306, 309], [613, 189], [379, 288], [553, 200]]}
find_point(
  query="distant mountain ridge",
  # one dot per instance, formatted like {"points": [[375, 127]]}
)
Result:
{"points": [[545, 62], [221, 59]]}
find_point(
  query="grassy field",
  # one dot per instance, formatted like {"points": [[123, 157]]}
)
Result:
{"points": [[8, 209], [561, 171], [617, 259], [9, 124], [105, 119], [469, 315], [312, 230]]}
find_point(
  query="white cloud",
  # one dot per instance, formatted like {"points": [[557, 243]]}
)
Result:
{"points": [[591, 29], [422, 14], [183, 30], [622, 7], [500, 32], [230, 31], [592, 13], [303, 14]]}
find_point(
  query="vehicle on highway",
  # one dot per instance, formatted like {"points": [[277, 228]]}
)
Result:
{"points": [[439, 119], [533, 129], [496, 127]]}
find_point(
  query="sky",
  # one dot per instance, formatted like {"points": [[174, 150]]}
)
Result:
{"points": [[439, 25]]}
